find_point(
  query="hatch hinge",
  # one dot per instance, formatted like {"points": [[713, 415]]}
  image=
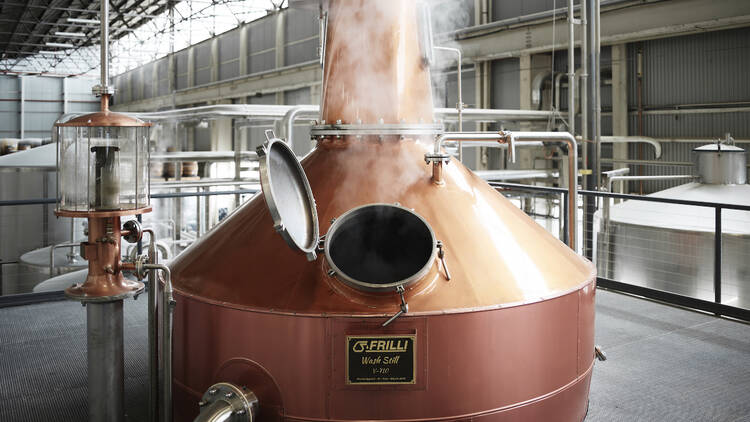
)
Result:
{"points": [[404, 306]]}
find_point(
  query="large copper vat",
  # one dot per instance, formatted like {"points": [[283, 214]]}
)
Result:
{"points": [[500, 328]]}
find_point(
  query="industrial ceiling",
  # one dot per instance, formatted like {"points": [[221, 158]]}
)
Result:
{"points": [[51, 31]]}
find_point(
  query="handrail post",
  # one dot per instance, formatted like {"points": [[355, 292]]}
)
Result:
{"points": [[717, 256]]}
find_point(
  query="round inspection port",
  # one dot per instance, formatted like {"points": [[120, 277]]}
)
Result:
{"points": [[380, 247]]}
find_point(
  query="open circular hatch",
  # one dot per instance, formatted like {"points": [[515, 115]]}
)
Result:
{"points": [[380, 247], [288, 196]]}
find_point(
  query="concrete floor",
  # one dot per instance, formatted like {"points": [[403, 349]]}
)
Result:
{"points": [[664, 363]]}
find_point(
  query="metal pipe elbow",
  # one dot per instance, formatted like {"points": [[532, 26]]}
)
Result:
{"points": [[225, 402]]}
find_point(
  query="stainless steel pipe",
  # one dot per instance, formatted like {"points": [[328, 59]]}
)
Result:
{"points": [[153, 353], [460, 104], [104, 31], [106, 360], [226, 402], [218, 411], [52, 254], [571, 70], [287, 122], [167, 308], [513, 138], [611, 180]]}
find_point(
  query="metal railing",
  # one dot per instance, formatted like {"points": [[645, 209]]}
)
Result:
{"points": [[675, 267], [35, 297], [551, 204]]}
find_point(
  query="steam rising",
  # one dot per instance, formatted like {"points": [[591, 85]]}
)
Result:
{"points": [[373, 66]]}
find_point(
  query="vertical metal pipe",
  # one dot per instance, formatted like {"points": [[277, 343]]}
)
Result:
{"points": [[584, 75], [105, 42], [571, 70], [22, 107], [166, 311], [153, 352], [717, 256], [106, 367], [166, 345], [460, 104], [597, 137], [593, 124]]}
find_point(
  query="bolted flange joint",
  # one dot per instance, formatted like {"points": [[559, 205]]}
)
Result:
{"points": [[228, 402]]}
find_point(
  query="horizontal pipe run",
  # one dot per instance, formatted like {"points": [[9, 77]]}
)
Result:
{"points": [[215, 111], [601, 194], [517, 174], [273, 112], [42, 201], [204, 193], [173, 184], [212, 156], [512, 138], [654, 142], [508, 23], [611, 180], [485, 115], [489, 144]]}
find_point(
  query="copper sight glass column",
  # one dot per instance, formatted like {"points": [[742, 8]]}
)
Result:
{"points": [[103, 176]]}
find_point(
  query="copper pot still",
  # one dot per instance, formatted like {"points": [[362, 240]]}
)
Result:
{"points": [[357, 288]]}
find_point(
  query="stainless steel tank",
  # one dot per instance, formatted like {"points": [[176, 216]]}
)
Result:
{"points": [[670, 247], [28, 175]]}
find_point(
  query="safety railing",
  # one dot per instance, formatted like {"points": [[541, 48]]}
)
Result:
{"points": [[179, 219], [683, 252]]}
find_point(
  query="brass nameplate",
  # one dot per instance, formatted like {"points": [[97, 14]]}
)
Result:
{"points": [[379, 359]]}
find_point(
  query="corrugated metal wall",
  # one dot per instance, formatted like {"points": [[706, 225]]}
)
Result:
{"points": [[181, 69], [261, 45], [229, 55], [203, 60], [700, 71], [300, 36], [43, 103], [504, 9], [162, 76]]}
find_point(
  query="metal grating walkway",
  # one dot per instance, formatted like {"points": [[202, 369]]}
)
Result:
{"points": [[665, 363]]}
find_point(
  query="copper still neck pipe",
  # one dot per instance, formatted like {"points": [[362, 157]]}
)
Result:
{"points": [[373, 70]]}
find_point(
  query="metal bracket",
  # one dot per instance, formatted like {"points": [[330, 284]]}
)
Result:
{"points": [[404, 306], [511, 145], [599, 353]]}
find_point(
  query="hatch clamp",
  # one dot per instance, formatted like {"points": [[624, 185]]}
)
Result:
{"points": [[404, 306]]}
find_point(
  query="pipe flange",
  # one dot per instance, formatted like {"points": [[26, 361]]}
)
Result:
{"points": [[225, 398], [134, 231], [140, 266], [99, 90], [438, 157]]}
